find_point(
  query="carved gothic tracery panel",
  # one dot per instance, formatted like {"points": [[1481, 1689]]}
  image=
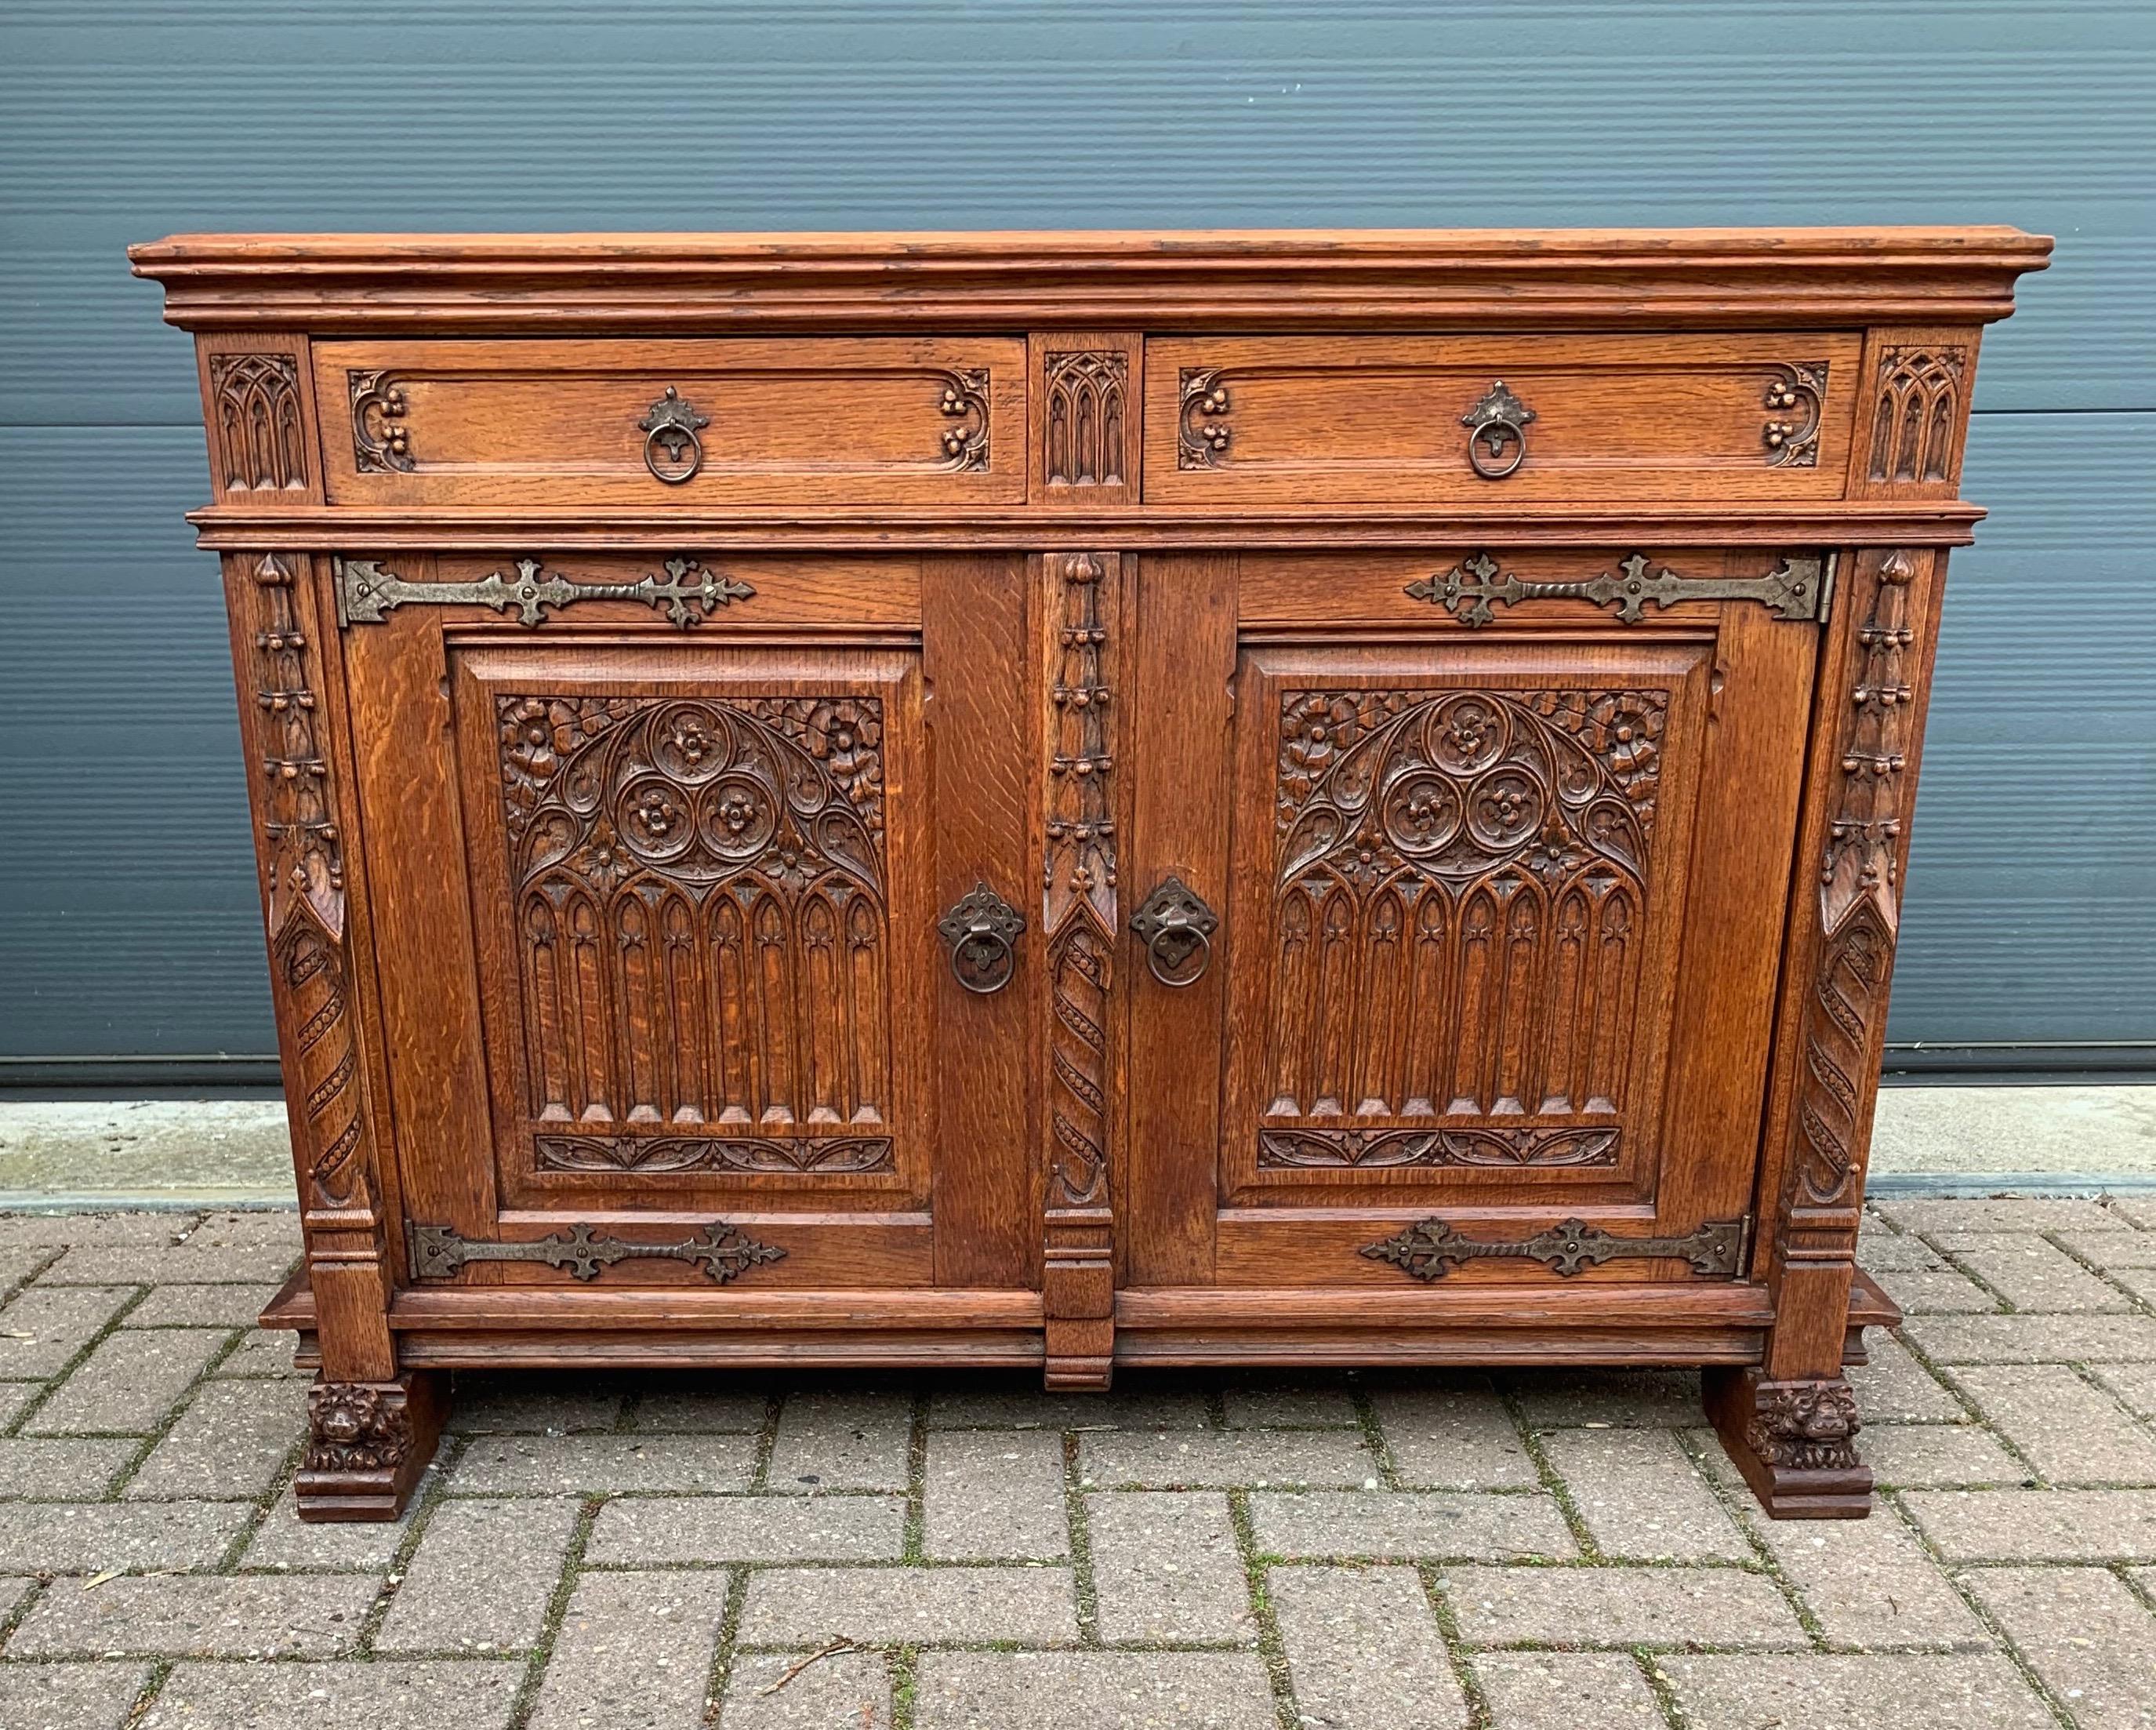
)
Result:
{"points": [[1918, 418], [261, 429], [1459, 908], [700, 913], [1084, 438]]}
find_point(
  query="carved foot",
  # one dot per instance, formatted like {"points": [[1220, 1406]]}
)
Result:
{"points": [[1080, 1355], [367, 1443], [1793, 1441], [1078, 1294]]}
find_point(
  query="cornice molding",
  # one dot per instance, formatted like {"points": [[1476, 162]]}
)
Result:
{"points": [[1428, 279]]}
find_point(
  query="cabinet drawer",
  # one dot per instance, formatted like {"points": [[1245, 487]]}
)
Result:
{"points": [[816, 421], [1409, 420]]}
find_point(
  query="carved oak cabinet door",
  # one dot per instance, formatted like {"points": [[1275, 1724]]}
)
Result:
{"points": [[1498, 877], [690, 846]]}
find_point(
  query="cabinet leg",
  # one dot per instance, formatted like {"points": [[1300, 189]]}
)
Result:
{"points": [[1793, 1440], [367, 1442], [1080, 1355], [1078, 1292]]}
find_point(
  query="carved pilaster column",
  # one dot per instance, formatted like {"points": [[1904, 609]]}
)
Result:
{"points": [[1079, 601], [1788, 1424], [299, 841]]}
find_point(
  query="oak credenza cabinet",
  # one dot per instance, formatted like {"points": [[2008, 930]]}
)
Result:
{"points": [[1068, 800]]}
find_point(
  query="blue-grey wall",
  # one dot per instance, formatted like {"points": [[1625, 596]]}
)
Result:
{"points": [[128, 923]]}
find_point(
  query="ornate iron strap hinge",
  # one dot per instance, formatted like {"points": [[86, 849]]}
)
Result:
{"points": [[1425, 1248], [688, 593], [1796, 589], [437, 1251]]}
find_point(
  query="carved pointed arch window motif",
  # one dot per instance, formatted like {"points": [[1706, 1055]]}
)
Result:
{"points": [[701, 922], [1459, 919], [1087, 394], [1918, 414], [261, 430]]}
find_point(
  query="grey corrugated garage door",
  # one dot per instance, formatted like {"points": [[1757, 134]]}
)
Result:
{"points": [[127, 913]]}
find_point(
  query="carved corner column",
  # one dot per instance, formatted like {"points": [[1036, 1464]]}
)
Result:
{"points": [[1790, 1423], [372, 1430], [1080, 599]]}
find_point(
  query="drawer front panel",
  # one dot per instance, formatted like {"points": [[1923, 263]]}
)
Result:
{"points": [[556, 423], [1485, 419]]}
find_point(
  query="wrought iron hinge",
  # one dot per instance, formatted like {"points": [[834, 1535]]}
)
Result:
{"points": [[688, 593], [437, 1251], [1571, 1247], [1472, 590]]}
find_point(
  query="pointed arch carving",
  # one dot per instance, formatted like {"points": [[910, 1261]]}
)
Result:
{"points": [[701, 887], [1460, 881]]}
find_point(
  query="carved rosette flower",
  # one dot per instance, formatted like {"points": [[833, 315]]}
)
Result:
{"points": [[528, 761], [847, 739], [1553, 856], [1368, 863], [355, 1427], [692, 740], [845, 735], [603, 862], [790, 866], [656, 816], [1317, 728], [1624, 729], [537, 734], [1308, 734]]}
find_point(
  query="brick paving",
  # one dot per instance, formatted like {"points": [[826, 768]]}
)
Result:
{"points": [[1488, 1551]]}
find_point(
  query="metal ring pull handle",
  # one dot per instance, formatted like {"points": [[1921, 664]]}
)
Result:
{"points": [[1500, 423], [1175, 927], [981, 933], [674, 422]]}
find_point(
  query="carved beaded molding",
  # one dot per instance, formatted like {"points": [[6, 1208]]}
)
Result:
{"points": [[1078, 883]]}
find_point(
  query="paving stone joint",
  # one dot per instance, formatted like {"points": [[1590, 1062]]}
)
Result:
{"points": [[1513, 1550]]}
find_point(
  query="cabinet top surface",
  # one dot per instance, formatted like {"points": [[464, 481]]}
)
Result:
{"points": [[1251, 278]]}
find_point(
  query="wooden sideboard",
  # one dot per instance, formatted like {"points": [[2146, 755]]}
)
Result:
{"points": [[1068, 800]]}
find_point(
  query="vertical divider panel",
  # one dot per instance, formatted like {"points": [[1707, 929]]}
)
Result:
{"points": [[977, 679], [1080, 610], [1179, 726], [426, 963]]}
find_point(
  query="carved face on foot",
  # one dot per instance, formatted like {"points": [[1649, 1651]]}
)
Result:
{"points": [[1812, 1411], [344, 1413], [355, 1428]]}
